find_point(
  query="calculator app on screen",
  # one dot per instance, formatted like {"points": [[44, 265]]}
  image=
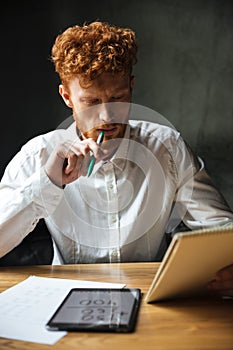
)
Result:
{"points": [[98, 309]]}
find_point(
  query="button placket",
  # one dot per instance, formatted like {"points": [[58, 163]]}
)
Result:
{"points": [[113, 214], [114, 255]]}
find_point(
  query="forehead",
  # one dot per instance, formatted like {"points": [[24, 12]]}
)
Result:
{"points": [[105, 82]]}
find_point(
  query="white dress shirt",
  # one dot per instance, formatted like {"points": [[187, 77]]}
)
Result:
{"points": [[121, 212]]}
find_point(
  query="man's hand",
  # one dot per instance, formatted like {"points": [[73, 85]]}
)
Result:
{"points": [[223, 282], [65, 164]]}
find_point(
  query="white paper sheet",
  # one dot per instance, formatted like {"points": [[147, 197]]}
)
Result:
{"points": [[26, 307]]}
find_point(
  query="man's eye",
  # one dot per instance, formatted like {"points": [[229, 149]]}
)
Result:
{"points": [[119, 97], [92, 102]]}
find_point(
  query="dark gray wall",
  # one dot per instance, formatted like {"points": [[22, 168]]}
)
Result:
{"points": [[185, 70]]}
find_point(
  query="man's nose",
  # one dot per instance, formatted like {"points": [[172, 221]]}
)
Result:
{"points": [[106, 113]]}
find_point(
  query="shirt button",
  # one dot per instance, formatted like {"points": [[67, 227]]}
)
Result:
{"points": [[113, 219], [110, 186], [114, 253]]}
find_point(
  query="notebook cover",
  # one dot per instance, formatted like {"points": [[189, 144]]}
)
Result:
{"points": [[192, 260]]}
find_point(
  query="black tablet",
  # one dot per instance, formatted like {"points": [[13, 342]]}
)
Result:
{"points": [[104, 310]]}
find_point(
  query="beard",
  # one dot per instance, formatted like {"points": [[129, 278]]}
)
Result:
{"points": [[111, 131], [113, 134]]}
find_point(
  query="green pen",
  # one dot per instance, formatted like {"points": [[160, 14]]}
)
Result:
{"points": [[92, 162]]}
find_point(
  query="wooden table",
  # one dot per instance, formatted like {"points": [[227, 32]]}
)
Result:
{"points": [[180, 324]]}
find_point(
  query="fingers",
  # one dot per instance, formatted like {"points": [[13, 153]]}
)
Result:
{"points": [[66, 164], [221, 285], [71, 163], [225, 273], [76, 153], [223, 282], [71, 171], [83, 148]]}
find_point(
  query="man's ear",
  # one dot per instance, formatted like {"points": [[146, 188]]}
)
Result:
{"points": [[65, 95], [132, 82]]}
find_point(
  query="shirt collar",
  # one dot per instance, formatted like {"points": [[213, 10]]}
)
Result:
{"points": [[73, 132], [119, 158]]}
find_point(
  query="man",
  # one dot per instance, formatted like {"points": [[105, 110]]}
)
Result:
{"points": [[145, 179]]}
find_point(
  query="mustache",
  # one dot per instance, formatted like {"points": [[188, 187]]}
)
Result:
{"points": [[105, 126]]}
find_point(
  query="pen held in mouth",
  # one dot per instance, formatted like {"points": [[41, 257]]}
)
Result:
{"points": [[92, 162], [100, 138]]}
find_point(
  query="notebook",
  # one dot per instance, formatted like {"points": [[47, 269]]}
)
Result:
{"points": [[192, 259]]}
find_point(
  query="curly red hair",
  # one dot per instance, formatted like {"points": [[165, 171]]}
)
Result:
{"points": [[89, 50]]}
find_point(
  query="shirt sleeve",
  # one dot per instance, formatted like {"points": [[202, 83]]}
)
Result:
{"points": [[198, 202], [26, 195]]}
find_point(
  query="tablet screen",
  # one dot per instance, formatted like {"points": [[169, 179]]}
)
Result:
{"points": [[97, 310]]}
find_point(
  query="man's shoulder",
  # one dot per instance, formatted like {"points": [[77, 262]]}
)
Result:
{"points": [[144, 129], [48, 140]]}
